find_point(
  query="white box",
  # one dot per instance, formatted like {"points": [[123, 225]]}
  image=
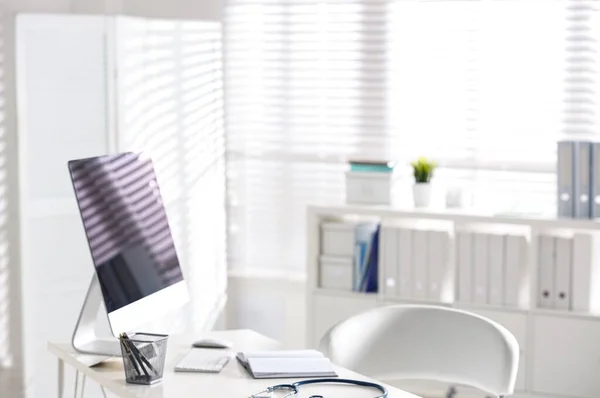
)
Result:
{"points": [[369, 188], [335, 273], [338, 238]]}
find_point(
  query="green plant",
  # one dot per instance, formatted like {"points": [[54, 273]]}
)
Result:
{"points": [[423, 169]]}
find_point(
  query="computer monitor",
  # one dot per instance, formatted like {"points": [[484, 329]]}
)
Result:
{"points": [[129, 238]]}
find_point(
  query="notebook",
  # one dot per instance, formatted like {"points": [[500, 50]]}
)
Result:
{"points": [[285, 364]]}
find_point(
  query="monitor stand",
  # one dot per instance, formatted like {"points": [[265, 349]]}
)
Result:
{"points": [[85, 338]]}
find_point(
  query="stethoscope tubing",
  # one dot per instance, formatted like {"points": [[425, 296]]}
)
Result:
{"points": [[294, 386]]}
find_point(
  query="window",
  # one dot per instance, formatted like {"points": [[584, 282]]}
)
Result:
{"points": [[170, 104], [485, 87]]}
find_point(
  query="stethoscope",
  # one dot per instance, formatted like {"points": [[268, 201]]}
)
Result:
{"points": [[293, 388]]}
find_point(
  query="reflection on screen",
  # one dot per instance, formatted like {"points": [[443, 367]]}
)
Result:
{"points": [[126, 226]]}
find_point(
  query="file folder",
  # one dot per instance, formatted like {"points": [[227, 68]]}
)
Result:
{"points": [[437, 262], [546, 266], [581, 180], [420, 263], [389, 259], [496, 267], [562, 273], [595, 181], [515, 258], [564, 175], [464, 258], [480, 267], [586, 273], [405, 262]]}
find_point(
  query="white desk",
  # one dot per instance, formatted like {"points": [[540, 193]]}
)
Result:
{"points": [[232, 382]]}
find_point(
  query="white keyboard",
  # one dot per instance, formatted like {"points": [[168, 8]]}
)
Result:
{"points": [[204, 360]]}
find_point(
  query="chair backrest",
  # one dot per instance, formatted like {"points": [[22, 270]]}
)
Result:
{"points": [[426, 342]]}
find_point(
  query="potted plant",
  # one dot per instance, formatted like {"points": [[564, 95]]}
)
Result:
{"points": [[422, 171]]}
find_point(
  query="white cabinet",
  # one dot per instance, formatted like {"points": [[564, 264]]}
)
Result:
{"points": [[328, 310], [566, 356]]}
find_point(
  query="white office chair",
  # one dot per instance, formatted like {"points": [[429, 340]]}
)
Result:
{"points": [[427, 343]]}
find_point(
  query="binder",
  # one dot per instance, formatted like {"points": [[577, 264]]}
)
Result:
{"points": [[546, 264], [419, 263], [405, 262], [562, 273], [480, 268], [581, 179], [437, 262], [464, 259], [585, 295], [369, 282], [362, 245], [595, 181], [564, 177], [515, 252], [389, 259], [496, 268]]}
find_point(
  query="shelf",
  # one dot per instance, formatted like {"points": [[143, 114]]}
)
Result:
{"points": [[345, 293], [406, 300], [455, 215], [489, 307], [565, 314]]}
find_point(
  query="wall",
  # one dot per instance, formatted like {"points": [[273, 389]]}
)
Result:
{"points": [[273, 306]]}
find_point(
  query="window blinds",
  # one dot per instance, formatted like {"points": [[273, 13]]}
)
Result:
{"points": [[485, 87], [170, 105]]}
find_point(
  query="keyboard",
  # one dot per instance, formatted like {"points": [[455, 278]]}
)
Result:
{"points": [[204, 360]]}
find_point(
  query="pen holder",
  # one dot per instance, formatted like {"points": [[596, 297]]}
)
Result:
{"points": [[144, 357]]}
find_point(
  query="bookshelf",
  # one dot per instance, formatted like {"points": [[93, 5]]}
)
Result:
{"points": [[560, 370]]}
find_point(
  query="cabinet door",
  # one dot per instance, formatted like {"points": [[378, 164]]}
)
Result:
{"points": [[329, 310], [566, 356], [517, 325]]}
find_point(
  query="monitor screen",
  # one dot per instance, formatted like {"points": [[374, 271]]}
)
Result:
{"points": [[126, 226]]}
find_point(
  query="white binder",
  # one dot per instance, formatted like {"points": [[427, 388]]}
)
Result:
{"points": [[515, 253], [437, 262], [595, 181], [420, 263], [564, 174], [546, 291], [586, 273], [405, 263], [389, 253], [496, 268], [562, 273], [581, 179], [464, 259], [480, 268]]}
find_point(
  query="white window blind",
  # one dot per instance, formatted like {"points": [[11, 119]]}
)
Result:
{"points": [[485, 87], [170, 105]]}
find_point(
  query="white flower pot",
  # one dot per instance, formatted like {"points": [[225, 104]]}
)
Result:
{"points": [[422, 194]]}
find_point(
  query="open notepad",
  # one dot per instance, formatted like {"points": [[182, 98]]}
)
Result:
{"points": [[284, 364]]}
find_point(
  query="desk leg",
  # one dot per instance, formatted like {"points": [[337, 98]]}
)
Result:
{"points": [[61, 378]]}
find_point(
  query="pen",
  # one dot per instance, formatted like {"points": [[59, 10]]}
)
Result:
{"points": [[129, 354], [139, 356]]}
